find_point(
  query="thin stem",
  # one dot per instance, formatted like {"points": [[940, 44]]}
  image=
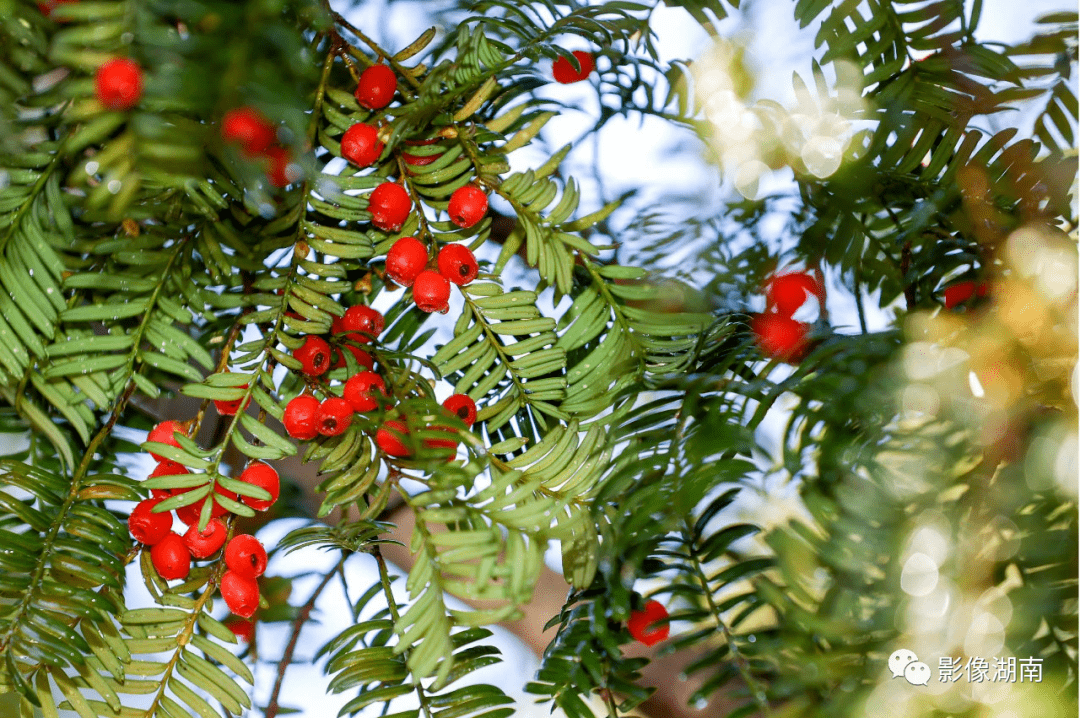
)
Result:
{"points": [[859, 297], [272, 707]]}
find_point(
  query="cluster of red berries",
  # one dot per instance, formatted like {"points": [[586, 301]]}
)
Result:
{"points": [[172, 553], [778, 335], [118, 84], [247, 127], [306, 417], [407, 265], [641, 624]]}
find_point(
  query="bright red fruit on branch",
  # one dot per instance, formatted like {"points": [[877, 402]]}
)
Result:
{"points": [[163, 433], [265, 477], [333, 416], [641, 624], [787, 292], [229, 407], [468, 205], [191, 513], [963, 291], [247, 126], [462, 406], [245, 556], [450, 442], [376, 87], [389, 205], [171, 557], [314, 356], [168, 468], [458, 264], [360, 145], [203, 544], [280, 172], [119, 84], [405, 260], [780, 337], [299, 417], [431, 292], [241, 594], [390, 438], [364, 359], [360, 391], [148, 527], [243, 629], [362, 322], [564, 71]]}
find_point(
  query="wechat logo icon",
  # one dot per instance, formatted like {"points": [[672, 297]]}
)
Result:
{"points": [[905, 664]]}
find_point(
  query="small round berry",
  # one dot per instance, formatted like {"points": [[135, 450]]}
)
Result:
{"points": [[241, 594], [163, 433], [247, 126], [468, 205], [405, 260], [282, 172], [171, 557], [299, 417], [450, 442], [314, 356], [333, 416], [959, 293], [360, 145], [229, 407], [389, 205], [145, 526], [376, 88], [261, 475], [787, 292], [431, 292], [463, 407], [363, 359], [119, 84], [457, 263], [641, 621], [244, 630], [361, 318], [245, 556], [360, 390], [780, 337], [191, 513], [167, 468], [389, 438], [203, 544], [564, 72]]}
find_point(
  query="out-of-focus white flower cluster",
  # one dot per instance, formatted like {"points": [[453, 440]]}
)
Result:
{"points": [[752, 139]]}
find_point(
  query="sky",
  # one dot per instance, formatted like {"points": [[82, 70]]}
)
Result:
{"points": [[651, 155]]}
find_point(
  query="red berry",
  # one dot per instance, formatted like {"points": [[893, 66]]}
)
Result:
{"points": [[431, 292], [450, 442], [360, 145], [245, 556], [780, 337], [244, 630], [314, 356], [249, 128], [458, 264], [119, 84], [241, 594], [463, 407], [229, 407], [282, 172], [640, 622], [360, 390], [361, 318], [145, 526], [405, 260], [171, 557], [564, 71], [167, 468], [362, 357], [299, 417], [389, 205], [203, 544], [389, 438], [787, 292], [163, 433], [963, 291], [377, 87], [263, 476], [468, 205], [333, 416]]}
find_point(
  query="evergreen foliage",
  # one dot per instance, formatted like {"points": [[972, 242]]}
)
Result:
{"points": [[143, 258]]}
